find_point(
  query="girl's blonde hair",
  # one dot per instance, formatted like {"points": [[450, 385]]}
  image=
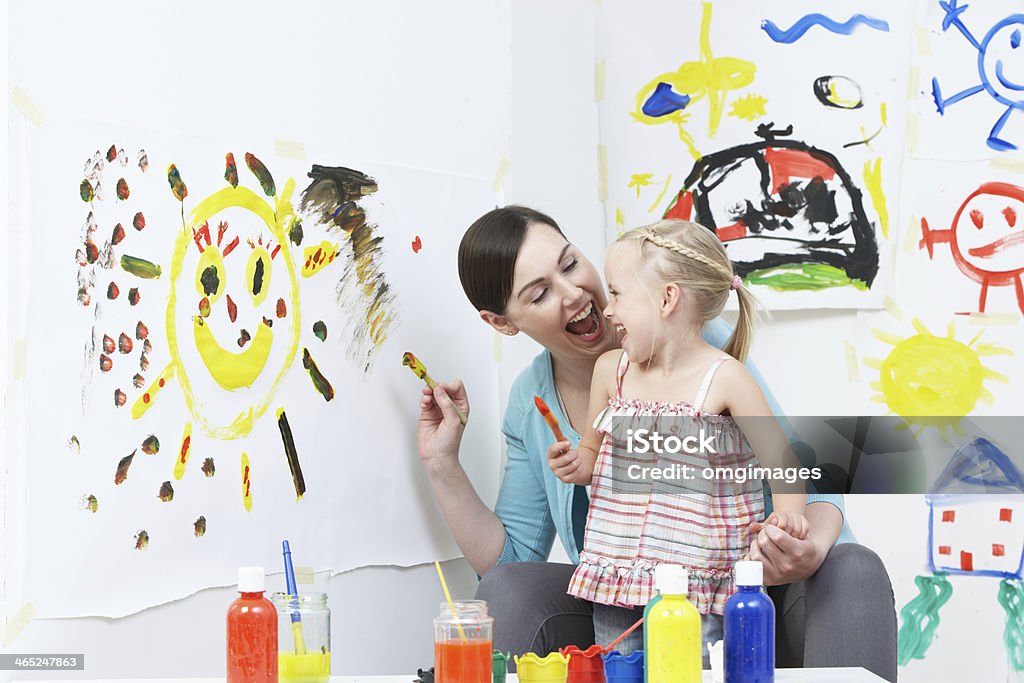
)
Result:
{"points": [[692, 256]]}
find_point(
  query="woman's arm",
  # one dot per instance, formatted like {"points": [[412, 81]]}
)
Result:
{"points": [[478, 531]]}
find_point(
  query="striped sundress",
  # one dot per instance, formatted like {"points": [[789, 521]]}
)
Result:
{"points": [[703, 527]]}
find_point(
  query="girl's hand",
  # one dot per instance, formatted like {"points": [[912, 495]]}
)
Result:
{"points": [[793, 523], [439, 431], [567, 464]]}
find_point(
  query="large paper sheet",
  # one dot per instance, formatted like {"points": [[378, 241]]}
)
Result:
{"points": [[963, 245], [968, 81], [781, 128], [215, 345]]}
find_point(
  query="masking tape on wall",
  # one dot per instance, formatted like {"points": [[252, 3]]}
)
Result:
{"points": [[24, 104], [599, 74], [16, 623], [289, 149]]}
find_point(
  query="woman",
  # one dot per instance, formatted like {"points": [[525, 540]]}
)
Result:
{"points": [[833, 597]]}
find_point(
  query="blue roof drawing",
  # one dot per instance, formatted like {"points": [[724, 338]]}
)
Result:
{"points": [[979, 467]]}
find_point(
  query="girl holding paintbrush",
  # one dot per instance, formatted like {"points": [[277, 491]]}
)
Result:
{"points": [[523, 276], [665, 281]]}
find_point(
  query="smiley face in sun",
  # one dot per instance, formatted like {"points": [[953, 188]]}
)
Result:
{"points": [[223, 314], [216, 306], [932, 380]]}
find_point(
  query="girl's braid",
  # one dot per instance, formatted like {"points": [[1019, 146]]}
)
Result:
{"points": [[685, 251]]}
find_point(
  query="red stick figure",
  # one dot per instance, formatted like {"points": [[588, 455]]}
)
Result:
{"points": [[986, 243]]}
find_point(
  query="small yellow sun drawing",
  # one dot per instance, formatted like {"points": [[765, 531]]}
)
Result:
{"points": [[932, 380]]}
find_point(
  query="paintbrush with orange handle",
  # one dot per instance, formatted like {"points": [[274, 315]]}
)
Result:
{"points": [[549, 418], [420, 371]]}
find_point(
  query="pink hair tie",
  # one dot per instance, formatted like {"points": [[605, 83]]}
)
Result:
{"points": [[736, 282]]}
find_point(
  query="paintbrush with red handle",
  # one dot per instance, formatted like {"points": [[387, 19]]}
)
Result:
{"points": [[549, 418]]}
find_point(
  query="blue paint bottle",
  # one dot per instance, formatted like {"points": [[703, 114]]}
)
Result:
{"points": [[749, 629]]}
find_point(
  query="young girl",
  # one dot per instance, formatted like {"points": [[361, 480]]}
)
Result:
{"points": [[665, 281]]}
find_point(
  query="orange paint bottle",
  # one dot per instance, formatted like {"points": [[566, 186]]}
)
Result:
{"points": [[252, 632]]}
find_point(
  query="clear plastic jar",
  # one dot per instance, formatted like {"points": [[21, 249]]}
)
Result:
{"points": [[462, 643], [304, 646]]}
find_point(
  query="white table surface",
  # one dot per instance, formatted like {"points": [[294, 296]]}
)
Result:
{"points": [[845, 675], [850, 675]]}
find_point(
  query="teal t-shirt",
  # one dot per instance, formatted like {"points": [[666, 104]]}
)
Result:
{"points": [[533, 504]]}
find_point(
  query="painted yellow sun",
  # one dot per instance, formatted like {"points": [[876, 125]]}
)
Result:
{"points": [[930, 380]]}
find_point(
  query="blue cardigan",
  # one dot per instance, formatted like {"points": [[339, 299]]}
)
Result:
{"points": [[533, 504]]}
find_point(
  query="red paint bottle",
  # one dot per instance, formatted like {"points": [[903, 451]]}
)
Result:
{"points": [[252, 632]]}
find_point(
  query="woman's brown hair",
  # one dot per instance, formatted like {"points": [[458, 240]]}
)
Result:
{"points": [[488, 254]]}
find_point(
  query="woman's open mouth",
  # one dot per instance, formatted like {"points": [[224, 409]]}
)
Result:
{"points": [[586, 324]]}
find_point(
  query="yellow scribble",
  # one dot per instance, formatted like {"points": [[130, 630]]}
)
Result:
{"points": [[276, 219], [873, 182], [661, 196], [933, 378], [711, 77], [184, 451], [317, 257], [883, 112], [620, 222], [145, 401], [749, 107], [233, 370], [848, 101], [640, 180], [246, 483]]}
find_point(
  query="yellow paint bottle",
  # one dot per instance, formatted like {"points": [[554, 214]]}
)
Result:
{"points": [[672, 637]]}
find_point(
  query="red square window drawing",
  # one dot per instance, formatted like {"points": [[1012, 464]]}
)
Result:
{"points": [[1005, 515], [945, 550], [998, 550], [949, 515], [966, 561]]}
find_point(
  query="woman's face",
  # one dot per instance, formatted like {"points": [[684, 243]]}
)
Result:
{"points": [[557, 296]]}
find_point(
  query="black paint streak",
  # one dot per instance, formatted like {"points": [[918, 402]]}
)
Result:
{"points": [[257, 277], [800, 224], [291, 455]]}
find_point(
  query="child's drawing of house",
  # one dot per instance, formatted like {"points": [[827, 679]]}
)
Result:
{"points": [[976, 520]]}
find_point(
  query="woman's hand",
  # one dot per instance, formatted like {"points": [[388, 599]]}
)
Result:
{"points": [[567, 464], [439, 432], [786, 559]]}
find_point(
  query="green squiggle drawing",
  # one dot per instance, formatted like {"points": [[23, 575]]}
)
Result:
{"points": [[921, 616], [1011, 597]]}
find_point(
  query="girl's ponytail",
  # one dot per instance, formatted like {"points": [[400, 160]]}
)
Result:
{"points": [[739, 343]]}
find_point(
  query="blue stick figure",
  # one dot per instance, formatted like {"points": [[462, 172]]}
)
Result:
{"points": [[999, 48]]}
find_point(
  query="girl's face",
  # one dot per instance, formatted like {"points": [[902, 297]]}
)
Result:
{"points": [[634, 306], [557, 297]]}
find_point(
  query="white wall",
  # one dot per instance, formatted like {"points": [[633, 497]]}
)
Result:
{"points": [[451, 86]]}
